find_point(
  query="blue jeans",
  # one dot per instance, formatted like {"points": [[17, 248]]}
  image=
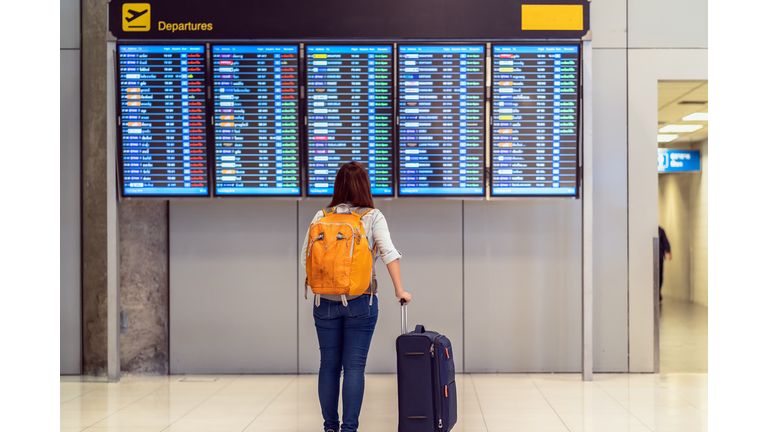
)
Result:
{"points": [[344, 334]]}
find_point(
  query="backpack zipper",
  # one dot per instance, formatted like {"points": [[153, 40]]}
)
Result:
{"points": [[320, 236], [338, 237], [350, 227]]}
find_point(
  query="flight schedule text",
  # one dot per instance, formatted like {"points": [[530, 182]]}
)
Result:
{"points": [[535, 120], [163, 120], [256, 119], [441, 109], [350, 114]]}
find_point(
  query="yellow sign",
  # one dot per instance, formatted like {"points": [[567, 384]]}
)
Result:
{"points": [[136, 17], [552, 17]]}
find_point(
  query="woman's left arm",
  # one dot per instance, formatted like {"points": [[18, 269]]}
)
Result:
{"points": [[383, 240]]}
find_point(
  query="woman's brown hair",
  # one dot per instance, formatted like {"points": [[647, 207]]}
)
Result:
{"points": [[352, 186]]}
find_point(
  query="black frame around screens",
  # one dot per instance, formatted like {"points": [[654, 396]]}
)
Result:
{"points": [[484, 123], [119, 123], [393, 126], [579, 104], [300, 124]]}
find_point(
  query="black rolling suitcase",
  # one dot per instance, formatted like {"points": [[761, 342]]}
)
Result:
{"points": [[426, 386]]}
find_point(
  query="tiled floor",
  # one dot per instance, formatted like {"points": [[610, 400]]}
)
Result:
{"points": [[675, 400], [683, 337], [487, 402]]}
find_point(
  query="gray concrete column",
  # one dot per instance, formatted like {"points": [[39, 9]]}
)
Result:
{"points": [[144, 287], [142, 290], [94, 185]]}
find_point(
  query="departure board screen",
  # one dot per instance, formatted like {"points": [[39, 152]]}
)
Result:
{"points": [[535, 120], [350, 111], [441, 109], [163, 124], [256, 120]]}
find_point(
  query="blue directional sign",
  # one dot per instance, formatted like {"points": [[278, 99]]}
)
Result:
{"points": [[671, 160]]}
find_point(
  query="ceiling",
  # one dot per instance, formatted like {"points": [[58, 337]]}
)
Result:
{"points": [[671, 111]]}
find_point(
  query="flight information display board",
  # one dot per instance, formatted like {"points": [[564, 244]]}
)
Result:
{"points": [[350, 112], [162, 120], [256, 120], [441, 109], [535, 138]]}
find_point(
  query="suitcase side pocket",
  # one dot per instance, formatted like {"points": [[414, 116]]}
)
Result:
{"points": [[450, 406], [447, 371]]}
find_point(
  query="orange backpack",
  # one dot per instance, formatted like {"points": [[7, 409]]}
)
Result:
{"points": [[339, 256]]}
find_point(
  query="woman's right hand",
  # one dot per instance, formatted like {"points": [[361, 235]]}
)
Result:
{"points": [[404, 296]]}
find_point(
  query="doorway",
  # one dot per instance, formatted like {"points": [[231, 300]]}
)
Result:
{"points": [[682, 193]]}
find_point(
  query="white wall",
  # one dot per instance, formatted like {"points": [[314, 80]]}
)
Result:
{"points": [[699, 227], [69, 277], [610, 211], [233, 269], [522, 279]]}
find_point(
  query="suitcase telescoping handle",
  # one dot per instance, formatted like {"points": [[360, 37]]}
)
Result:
{"points": [[403, 317]]}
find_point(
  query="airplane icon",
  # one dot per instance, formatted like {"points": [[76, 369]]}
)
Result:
{"points": [[135, 14]]}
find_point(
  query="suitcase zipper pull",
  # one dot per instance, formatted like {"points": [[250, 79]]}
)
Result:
{"points": [[432, 350], [440, 423]]}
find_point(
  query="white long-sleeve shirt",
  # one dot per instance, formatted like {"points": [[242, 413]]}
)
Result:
{"points": [[376, 229]]}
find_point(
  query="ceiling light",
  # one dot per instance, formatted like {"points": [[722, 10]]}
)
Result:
{"points": [[666, 138], [697, 117], [680, 128]]}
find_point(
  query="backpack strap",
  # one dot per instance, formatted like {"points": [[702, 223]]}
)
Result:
{"points": [[362, 211], [327, 211]]}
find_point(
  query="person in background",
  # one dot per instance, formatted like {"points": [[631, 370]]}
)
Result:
{"points": [[665, 253], [344, 332]]}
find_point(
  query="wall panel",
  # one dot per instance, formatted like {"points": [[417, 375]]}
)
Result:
{"points": [[522, 262], [309, 351], [700, 230], [610, 211], [69, 24], [667, 23], [232, 279], [69, 242], [608, 22]]}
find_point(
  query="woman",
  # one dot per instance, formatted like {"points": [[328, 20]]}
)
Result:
{"points": [[345, 332]]}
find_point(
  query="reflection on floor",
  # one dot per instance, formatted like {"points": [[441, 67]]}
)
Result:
{"points": [[487, 402], [683, 337]]}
